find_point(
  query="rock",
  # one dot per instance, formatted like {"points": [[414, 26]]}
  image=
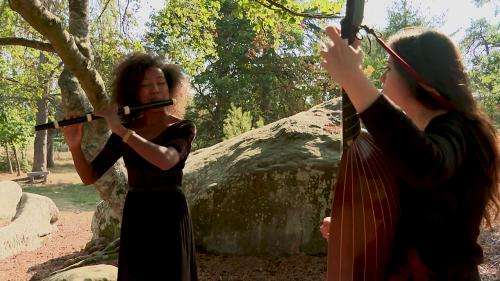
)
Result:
{"points": [[101, 272], [10, 194], [36, 216], [112, 188], [267, 190], [105, 227]]}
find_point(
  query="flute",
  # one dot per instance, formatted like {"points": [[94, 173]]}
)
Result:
{"points": [[89, 117]]}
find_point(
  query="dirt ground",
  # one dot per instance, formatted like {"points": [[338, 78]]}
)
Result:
{"points": [[74, 232], [72, 235]]}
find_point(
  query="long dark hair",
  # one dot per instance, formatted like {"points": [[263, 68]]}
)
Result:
{"points": [[436, 58], [129, 74]]}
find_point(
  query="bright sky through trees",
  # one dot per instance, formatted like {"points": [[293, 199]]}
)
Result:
{"points": [[456, 14]]}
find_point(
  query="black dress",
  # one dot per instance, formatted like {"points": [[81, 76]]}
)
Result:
{"points": [[442, 189], [156, 241]]}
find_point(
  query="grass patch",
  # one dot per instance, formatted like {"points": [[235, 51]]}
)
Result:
{"points": [[63, 167], [69, 197]]}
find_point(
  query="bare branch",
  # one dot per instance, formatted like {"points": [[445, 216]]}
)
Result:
{"points": [[295, 13], [4, 98], [124, 16], [12, 80], [103, 9], [39, 45], [123, 19]]}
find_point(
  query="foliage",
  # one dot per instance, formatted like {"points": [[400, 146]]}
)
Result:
{"points": [[242, 54], [401, 14], [16, 114], [238, 121], [480, 3], [481, 47], [185, 32], [109, 43], [24, 77], [15, 130], [27, 75], [485, 80]]}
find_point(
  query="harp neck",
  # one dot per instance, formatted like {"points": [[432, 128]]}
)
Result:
{"points": [[351, 126]]}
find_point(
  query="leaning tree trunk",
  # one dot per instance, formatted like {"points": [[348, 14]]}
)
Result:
{"points": [[8, 158], [80, 79], [50, 148], [113, 185]]}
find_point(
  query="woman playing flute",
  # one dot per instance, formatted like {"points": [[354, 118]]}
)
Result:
{"points": [[156, 240]]}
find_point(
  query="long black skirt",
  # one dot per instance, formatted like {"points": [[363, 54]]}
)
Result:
{"points": [[156, 241]]}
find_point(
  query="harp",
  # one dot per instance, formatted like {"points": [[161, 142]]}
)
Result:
{"points": [[365, 198]]}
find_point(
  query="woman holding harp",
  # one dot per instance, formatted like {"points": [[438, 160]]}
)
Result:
{"points": [[438, 144], [154, 145]]}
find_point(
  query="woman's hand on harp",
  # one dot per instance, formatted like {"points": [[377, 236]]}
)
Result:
{"points": [[341, 61], [325, 227], [344, 64]]}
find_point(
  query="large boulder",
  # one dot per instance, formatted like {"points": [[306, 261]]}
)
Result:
{"points": [[101, 272], [267, 190], [35, 218], [10, 195]]}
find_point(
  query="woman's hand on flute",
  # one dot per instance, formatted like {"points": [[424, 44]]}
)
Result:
{"points": [[73, 135], [110, 114]]}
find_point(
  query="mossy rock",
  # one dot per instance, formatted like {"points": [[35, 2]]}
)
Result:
{"points": [[267, 190]]}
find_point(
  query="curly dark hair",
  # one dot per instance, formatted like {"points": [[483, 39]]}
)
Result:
{"points": [[129, 73]]}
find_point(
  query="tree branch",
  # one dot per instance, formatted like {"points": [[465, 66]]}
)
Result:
{"points": [[123, 19], [103, 9], [295, 13], [65, 45], [14, 81], [15, 99], [39, 45]]}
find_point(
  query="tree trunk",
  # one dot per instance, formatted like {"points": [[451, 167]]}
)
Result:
{"points": [[18, 166], [50, 148], [72, 46], [113, 186], [40, 145], [8, 158]]}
